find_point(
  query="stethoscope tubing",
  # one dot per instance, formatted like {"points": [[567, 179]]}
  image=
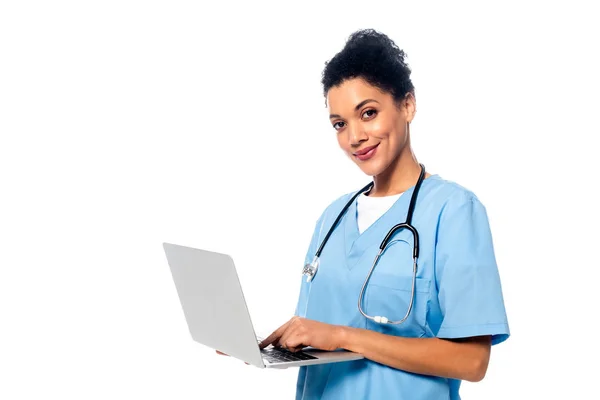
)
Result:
{"points": [[311, 269]]}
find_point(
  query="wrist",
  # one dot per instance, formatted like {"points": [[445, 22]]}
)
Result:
{"points": [[344, 337]]}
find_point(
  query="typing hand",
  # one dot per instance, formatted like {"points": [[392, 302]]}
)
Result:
{"points": [[301, 332]]}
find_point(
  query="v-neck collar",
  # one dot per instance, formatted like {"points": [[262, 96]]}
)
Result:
{"points": [[356, 243]]}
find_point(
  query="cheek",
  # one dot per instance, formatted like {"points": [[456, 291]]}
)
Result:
{"points": [[396, 142], [343, 142], [381, 129]]}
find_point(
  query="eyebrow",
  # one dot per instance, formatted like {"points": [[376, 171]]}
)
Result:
{"points": [[358, 106]]}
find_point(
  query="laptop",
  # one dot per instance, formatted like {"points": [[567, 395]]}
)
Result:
{"points": [[217, 316]]}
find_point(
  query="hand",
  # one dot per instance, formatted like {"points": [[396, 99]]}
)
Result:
{"points": [[301, 332], [223, 354]]}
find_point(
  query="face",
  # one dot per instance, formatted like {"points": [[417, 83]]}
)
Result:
{"points": [[370, 125]]}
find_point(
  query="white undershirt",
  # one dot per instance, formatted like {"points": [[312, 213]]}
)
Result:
{"points": [[369, 209]]}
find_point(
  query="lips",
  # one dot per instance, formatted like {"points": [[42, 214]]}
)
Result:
{"points": [[366, 153], [365, 150]]}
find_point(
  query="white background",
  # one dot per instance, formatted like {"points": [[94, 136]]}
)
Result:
{"points": [[128, 123]]}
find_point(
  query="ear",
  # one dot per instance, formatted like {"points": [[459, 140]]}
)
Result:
{"points": [[410, 106]]}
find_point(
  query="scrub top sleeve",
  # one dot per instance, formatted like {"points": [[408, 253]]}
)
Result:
{"points": [[466, 274]]}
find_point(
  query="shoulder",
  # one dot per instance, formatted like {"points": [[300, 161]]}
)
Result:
{"points": [[448, 194], [335, 206], [329, 214], [454, 203]]}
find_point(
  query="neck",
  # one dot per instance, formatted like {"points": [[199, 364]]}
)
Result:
{"points": [[399, 176]]}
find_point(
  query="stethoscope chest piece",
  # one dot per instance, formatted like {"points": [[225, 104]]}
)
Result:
{"points": [[310, 269]]}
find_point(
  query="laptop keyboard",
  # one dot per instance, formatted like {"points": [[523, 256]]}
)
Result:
{"points": [[277, 354]]}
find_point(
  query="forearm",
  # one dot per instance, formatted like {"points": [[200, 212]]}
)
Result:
{"points": [[466, 360]]}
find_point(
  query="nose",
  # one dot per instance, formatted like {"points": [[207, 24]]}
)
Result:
{"points": [[357, 135]]}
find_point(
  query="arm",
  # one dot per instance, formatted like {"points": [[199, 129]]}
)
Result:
{"points": [[470, 298], [465, 359]]}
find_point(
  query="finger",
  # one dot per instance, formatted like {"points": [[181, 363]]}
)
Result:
{"points": [[294, 341], [270, 339], [274, 336], [280, 342], [223, 354], [291, 332]]}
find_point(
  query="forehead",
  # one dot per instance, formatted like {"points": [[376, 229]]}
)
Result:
{"points": [[344, 97]]}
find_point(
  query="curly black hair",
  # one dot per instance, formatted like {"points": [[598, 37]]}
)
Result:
{"points": [[373, 56]]}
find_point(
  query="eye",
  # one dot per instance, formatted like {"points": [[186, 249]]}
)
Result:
{"points": [[337, 126], [370, 113]]}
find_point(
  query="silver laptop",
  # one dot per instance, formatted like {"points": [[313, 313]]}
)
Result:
{"points": [[217, 316]]}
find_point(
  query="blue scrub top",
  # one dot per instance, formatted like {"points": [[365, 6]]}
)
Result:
{"points": [[458, 292]]}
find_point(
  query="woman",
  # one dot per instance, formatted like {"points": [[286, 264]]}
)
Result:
{"points": [[445, 320]]}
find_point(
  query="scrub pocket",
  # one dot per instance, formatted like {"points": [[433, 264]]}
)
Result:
{"points": [[389, 296], [388, 293]]}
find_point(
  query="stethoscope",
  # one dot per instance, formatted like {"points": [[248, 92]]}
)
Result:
{"points": [[310, 269]]}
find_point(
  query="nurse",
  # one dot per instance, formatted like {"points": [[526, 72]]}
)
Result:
{"points": [[456, 304]]}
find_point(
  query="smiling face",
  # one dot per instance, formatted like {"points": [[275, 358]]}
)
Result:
{"points": [[371, 127]]}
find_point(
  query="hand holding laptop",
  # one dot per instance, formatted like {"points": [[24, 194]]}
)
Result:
{"points": [[223, 354]]}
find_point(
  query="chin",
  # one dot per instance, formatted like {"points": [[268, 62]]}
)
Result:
{"points": [[371, 168]]}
